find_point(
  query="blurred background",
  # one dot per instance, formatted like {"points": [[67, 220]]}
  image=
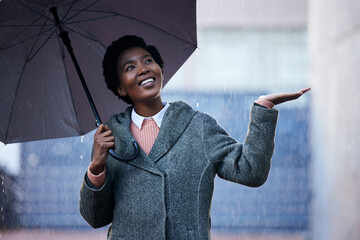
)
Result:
{"points": [[247, 48]]}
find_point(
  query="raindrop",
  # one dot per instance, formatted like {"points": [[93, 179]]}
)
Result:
{"points": [[62, 148], [197, 104], [33, 159], [82, 138], [81, 156]]}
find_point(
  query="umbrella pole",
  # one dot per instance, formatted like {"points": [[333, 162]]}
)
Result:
{"points": [[66, 40]]}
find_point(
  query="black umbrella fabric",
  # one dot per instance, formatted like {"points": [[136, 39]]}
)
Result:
{"points": [[41, 96]]}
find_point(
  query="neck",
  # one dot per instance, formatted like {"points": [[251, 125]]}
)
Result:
{"points": [[149, 109]]}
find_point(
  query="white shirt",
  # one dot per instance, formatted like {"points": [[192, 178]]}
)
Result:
{"points": [[138, 120]]}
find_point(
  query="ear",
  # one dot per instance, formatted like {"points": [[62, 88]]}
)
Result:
{"points": [[121, 91]]}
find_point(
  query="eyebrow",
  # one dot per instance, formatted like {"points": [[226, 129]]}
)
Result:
{"points": [[132, 60]]}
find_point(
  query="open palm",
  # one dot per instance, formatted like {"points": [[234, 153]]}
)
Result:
{"points": [[278, 98]]}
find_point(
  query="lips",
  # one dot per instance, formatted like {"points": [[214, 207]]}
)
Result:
{"points": [[145, 81]]}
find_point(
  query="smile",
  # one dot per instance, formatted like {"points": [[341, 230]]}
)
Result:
{"points": [[142, 83]]}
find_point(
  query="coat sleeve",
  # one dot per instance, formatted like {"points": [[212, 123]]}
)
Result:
{"points": [[96, 205], [247, 163]]}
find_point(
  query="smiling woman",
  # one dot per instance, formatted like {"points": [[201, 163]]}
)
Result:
{"points": [[141, 80], [166, 192], [113, 65]]}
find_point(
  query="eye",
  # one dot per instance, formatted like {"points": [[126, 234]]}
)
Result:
{"points": [[130, 67], [148, 60]]}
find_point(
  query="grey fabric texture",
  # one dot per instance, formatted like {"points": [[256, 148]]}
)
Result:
{"points": [[167, 194]]}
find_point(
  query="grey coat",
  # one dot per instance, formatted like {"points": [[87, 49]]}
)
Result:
{"points": [[167, 194]]}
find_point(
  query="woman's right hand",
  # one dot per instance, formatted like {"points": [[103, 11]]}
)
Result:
{"points": [[103, 140]]}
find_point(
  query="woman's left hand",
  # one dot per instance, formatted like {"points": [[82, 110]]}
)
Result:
{"points": [[278, 98]]}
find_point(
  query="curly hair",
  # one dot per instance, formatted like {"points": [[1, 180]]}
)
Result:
{"points": [[112, 54]]}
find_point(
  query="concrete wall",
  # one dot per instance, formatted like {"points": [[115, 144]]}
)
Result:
{"points": [[334, 38], [272, 14]]}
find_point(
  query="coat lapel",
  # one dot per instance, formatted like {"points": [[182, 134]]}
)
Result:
{"points": [[120, 125], [174, 123]]}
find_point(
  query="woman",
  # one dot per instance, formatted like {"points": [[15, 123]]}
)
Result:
{"points": [[166, 192]]}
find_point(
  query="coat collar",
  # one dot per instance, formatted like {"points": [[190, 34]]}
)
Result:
{"points": [[176, 119]]}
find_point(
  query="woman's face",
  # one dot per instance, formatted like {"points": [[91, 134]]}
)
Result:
{"points": [[140, 76]]}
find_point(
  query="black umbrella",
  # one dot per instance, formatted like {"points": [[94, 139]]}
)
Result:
{"points": [[40, 94]]}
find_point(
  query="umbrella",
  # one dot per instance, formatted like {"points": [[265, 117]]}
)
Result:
{"points": [[41, 96]]}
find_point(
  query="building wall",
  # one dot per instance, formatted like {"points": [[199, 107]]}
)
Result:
{"points": [[253, 60], [334, 38], [252, 14]]}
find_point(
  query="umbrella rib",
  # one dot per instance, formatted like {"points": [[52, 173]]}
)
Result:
{"points": [[24, 40], [68, 10], [162, 30], [21, 77], [42, 45], [13, 103], [62, 47], [35, 11], [71, 96], [90, 36], [20, 17], [16, 35], [36, 3], [19, 25], [82, 10], [90, 19], [115, 14]]}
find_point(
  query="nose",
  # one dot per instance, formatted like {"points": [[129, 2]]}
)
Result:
{"points": [[143, 70]]}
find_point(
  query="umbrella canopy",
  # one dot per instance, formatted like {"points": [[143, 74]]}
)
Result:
{"points": [[41, 96]]}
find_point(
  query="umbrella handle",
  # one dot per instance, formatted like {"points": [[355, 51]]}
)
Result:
{"points": [[126, 159]]}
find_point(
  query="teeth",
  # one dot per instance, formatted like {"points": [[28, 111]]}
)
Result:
{"points": [[146, 81]]}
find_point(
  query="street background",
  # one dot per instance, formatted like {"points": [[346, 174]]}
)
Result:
{"points": [[246, 49]]}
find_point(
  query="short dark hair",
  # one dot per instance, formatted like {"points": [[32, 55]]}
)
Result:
{"points": [[111, 58]]}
